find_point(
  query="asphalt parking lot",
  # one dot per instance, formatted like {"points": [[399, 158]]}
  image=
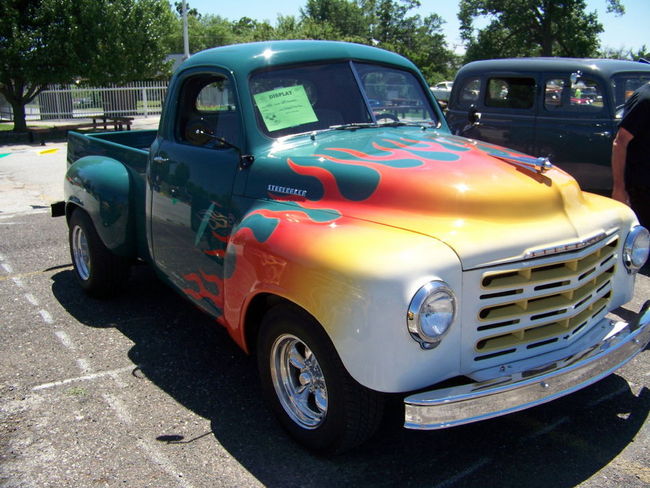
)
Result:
{"points": [[143, 390]]}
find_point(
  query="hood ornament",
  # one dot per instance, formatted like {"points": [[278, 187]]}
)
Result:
{"points": [[539, 165]]}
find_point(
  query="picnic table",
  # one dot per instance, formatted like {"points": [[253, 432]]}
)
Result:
{"points": [[98, 122]]}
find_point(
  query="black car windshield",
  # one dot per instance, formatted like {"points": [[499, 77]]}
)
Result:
{"points": [[316, 97]]}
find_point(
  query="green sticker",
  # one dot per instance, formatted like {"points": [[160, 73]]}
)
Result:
{"points": [[285, 107]]}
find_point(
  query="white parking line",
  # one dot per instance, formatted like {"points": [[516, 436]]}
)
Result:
{"points": [[151, 451], [118, 407], [161, 460], [547, 429], [600, 400], [65, 339], [46, 316], [464, 474], [88, 377], [84, 365]]}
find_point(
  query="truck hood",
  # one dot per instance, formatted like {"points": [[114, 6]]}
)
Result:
{"points": [[488, 203]]}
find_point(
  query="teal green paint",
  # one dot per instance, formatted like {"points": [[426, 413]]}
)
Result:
{"points": [[355, 183], [3, 155], [321, 215], [261, 226]]}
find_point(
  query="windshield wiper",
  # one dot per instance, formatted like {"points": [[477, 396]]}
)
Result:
{"points": [[419, 123], [354, 126]]}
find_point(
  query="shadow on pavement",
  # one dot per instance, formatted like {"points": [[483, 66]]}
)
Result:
{"points": [[191, 358]]}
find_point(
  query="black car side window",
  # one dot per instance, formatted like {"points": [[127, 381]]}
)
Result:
{"points": [[469, 92], [518, 93], [583, 95]]}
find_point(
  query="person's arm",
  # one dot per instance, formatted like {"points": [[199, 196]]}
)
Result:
{"points": [[619, 154]]}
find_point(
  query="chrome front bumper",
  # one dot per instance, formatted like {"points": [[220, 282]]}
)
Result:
{"points": [[438, 409]]}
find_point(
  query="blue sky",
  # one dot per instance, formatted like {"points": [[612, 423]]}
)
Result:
{"points": [[630, 31]]}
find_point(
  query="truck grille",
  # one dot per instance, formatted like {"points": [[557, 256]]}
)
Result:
{"points": [[540, 304]]}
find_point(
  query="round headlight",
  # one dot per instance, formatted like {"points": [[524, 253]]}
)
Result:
{"points": [[636, 248], [431, 313]]}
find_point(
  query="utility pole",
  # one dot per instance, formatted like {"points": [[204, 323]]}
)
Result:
{"points": [[186, 40]]}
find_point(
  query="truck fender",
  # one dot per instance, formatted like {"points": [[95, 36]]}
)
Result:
{"points": [[355, 278], [101, 186]]}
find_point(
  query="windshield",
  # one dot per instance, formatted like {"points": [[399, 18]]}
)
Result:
{"points": [[625, 84], [322, 96]]}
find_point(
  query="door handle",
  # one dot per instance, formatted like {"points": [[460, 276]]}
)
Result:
{"points": [[160, 159]]}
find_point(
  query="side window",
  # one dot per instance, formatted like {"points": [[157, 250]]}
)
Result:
{"points": [[469, 92], [584, 95], [517, 93], [555, 94], [208, 112]]}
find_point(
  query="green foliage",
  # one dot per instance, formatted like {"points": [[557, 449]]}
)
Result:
{"points": [[627, 54], [531, 28], [57, 41], [384, 23]]}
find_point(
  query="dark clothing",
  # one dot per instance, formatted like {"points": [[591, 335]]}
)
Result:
{"points": [[636, 120], [640, 203]]}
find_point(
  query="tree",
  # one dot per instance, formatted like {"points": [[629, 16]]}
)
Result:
{"points": [[531, 28], [343, 19], [421, 40], [45, 42], [627, 54], [386, 24]]}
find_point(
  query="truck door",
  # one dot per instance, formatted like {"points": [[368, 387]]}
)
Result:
{"points": [[575, 128], [191, 179]]}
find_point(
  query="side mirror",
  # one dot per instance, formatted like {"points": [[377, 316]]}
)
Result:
{"points": [[473, 115]]}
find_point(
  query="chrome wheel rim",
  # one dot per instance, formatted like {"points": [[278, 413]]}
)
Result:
{"points": [[80, 253], [299, 381]]}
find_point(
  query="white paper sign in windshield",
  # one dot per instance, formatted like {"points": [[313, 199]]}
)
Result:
{"points": [[285, 107]]}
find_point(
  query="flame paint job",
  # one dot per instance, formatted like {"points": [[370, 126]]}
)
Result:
{"points": [[371, 216], [326, 252]]}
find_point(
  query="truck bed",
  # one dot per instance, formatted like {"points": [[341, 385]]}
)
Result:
{"points": [[129, 147]]}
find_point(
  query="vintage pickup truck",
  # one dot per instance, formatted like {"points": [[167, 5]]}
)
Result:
{"points": [[310, 197]]}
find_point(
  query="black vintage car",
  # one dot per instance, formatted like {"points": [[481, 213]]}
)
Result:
{"points": [[566, 109]]}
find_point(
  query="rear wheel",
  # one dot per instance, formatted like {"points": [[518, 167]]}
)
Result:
{"points": [[98, 271], [311, 393]]}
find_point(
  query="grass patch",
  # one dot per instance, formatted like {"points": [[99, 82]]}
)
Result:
{"points": [[76, 391], [6, 126]]}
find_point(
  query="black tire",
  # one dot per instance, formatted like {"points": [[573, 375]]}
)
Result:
{"points": [[352, 412], [98, 271]]}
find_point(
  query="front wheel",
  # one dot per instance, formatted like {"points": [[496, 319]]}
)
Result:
{"points": [[311, 393], [98, 271]]}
